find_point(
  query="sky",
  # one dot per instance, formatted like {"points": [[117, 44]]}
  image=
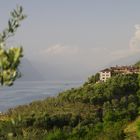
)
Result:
{"points": [[73, 39]]}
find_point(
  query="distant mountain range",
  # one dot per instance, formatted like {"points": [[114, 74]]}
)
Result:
{"points": [[130, 60], [29, 72], [39, 72]]}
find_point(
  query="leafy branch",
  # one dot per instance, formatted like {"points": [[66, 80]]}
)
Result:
{"points": [[10, 58]]}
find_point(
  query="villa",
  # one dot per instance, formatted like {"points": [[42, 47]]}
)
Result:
{"points": [[107, 73]]}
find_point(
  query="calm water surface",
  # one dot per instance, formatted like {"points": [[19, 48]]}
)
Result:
{"points": [[26, 92]]}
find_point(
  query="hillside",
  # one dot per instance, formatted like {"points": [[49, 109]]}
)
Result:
{"points": [[94, 111], [132, 130], [137, 64]]}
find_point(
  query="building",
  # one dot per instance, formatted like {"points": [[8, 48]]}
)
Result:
{"points": [[107, 73]]}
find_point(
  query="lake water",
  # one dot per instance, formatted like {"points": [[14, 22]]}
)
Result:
{"points": [[25, 92]]}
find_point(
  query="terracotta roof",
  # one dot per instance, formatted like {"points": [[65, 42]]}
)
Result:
{"points": [[121, 68], [105, 70]]}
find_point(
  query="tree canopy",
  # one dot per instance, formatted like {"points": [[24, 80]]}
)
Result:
{"points": [[98, 111]]}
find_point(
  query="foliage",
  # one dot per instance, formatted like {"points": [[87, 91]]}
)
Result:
{"points": [[94, 111], [138, 129], [137, 64], [10, 57]]}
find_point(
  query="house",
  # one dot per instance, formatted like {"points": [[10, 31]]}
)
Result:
{"points": [[107, 73]]}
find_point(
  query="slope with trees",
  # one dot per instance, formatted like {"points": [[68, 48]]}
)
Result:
{"points": [[98, 111]]}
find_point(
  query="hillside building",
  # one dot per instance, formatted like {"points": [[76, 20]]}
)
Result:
{"points": [[107, 73]]}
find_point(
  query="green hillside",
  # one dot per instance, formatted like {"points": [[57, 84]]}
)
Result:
{"points": [[132, 130], [94, 111], [137, 64]]}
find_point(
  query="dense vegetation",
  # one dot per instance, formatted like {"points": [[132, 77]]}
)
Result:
{"points": [[137, 64], [94, 111]]}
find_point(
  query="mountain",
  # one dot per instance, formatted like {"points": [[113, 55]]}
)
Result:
{"points": [[29, 72], [129, 60]]}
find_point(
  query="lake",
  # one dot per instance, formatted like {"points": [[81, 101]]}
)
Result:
{"points": [[25, 92]]}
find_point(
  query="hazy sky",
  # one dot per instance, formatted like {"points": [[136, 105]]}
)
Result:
{"points": [[71, 39]]}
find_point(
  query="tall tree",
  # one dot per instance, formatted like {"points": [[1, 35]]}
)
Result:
{"points": [[10, 56]]}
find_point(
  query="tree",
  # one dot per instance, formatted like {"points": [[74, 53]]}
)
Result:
{"points": [[10, 56]]}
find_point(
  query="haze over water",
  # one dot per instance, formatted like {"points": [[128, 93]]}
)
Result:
{"points": [[26, 92]]}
